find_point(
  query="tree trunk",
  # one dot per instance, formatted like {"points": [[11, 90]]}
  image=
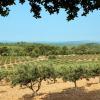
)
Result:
{"points": [[54, 79], [34, 93], [31, 87], [75, 84], [38, 88], [39, 85], [99, 79]]}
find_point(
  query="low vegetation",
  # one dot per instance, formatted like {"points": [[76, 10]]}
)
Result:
{"points": [[30, 71]]}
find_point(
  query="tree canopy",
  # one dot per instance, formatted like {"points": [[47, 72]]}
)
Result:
{"points": [[71, 7]]}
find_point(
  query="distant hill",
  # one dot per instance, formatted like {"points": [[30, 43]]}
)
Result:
{"points": [[72, 43], [92, 45], [67, 43]]}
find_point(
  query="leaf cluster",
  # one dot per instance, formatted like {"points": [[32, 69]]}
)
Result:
{"points": [[71, 7]]}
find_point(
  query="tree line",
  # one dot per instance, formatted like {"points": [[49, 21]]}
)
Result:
{"points": [[35, 50]]}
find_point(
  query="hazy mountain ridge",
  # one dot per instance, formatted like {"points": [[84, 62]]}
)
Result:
{"points": [[67, 43], [72, 43]]}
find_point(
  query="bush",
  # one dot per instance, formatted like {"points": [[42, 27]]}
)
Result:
{"points": [[52, 57], [3, 74]]}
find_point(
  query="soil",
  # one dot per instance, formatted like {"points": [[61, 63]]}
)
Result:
{"points": [[86, 90]]}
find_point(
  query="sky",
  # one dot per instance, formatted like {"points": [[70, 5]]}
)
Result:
{"points": [[19, 25]]}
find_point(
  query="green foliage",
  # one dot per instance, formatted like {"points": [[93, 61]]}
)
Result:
{"points": [[24, 74], [35, 50], [92, 70], [72, 73], [75, 73], [34, 54], [27, 75], [67, 67], [3, 74], [4, 51], [30, 75], [71, 7], [49, 72], [52, 57]]}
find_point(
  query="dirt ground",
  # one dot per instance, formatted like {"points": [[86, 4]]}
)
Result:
{"points": [[87, 90]]}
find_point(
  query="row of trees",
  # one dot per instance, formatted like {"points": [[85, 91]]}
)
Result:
{"points": [[32, 76], [36, 50]]}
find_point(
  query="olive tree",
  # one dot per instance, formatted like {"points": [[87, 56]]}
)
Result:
{"points": [[31, 76], [27, 75], [72, 74]]}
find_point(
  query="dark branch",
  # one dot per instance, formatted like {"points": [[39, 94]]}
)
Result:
{"points": [[71, 7]]}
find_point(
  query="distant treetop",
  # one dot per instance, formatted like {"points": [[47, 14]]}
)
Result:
{"points": [[71, 7]]}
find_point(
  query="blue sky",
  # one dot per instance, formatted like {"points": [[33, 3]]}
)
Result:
{"points": [[21, 26]]}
